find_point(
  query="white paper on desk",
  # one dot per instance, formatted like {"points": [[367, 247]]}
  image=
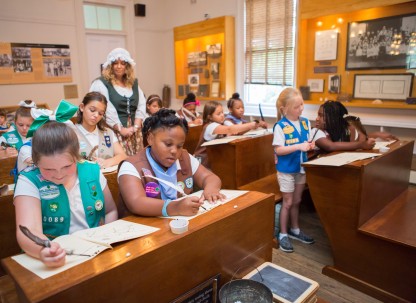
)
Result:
{"points": [[89, 242], [229, 194], [109, 169], [342, 158], [223, 140], [382, 144], [257, 132]]}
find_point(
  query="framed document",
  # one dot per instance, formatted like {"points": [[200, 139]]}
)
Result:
{"points": [[215, 89], [326, 45], [316, 85], [385, 86]]}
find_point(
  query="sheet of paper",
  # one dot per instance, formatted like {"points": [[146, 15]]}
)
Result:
{"points": [[206, 206], [342, 158], [382, 144], [258, 132], [223, 140], [117, 231]]}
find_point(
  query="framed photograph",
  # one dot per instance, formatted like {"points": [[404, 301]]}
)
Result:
{"points": [[334, 84], [380, 43], [316, 85], [326, 45], [386, 86], [215, 70], [215, 89], [197, 59], [193, 80]]}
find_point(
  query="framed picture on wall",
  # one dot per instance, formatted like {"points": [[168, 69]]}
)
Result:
{"points": [[380, 43], [334, 84], [316, 85], [385, 86]]}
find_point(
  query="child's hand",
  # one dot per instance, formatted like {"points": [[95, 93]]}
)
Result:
{"points": [[53, 256], [188, 206], [369, 143], [11, 152], [197, 121], [305, 146], [263, 124], [212, 197]]}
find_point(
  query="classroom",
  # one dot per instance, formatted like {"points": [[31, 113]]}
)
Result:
{"points": [[188, 55]]}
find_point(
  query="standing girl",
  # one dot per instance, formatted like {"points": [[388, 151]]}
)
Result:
{"points": [[290, 144], [188, 110], [151, 179], [97, 142], [214, 128], [61, 195]]}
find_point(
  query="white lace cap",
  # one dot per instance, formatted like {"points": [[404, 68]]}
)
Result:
{"points": [[29, 105], [119, 53]]}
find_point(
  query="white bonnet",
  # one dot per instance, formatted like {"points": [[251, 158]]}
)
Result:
{"points": [[27, 103], [119, 53]]}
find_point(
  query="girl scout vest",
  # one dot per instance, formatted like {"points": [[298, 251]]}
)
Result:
{"points": [[201, 151], [290, 163], [105, 147], [126, 107], [56, 215], [151, 186], [14, 139], [234, 120]]}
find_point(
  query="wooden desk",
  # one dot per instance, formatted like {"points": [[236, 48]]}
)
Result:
{"points": [[7, 163], [192, 138], [242, 161], [346, 198], [8, 242], [162, 266]]}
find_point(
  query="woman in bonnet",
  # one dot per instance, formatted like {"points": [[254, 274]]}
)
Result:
{"points": [[127, 106]]}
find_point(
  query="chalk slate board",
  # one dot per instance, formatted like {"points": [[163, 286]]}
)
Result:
{"points": [[285, 285]]}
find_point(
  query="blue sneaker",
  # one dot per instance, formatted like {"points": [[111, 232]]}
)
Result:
{"points": [[301, 237], [285, 245]]}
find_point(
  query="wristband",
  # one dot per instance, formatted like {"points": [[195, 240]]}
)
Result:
{"points": [[164, 208], [136, 127]]}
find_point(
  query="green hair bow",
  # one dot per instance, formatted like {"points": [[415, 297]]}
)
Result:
{"points": [[63, 113]]}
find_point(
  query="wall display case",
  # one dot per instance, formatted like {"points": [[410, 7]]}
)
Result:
{"points": [[204, 59]]}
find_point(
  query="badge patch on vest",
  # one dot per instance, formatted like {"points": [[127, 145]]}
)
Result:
{"points": [[189, 182], [49, 192], [288, 129], [152, 189], [53, 207], [181, 184], [12, 139], [107, 140], [99, 205], [305, 126], [146, 172], [82, 145]]}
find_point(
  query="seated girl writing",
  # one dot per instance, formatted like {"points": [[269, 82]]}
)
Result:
{"points": [[236, 112], [214, 128], [97, 142], [61, 195], [151, 180]]}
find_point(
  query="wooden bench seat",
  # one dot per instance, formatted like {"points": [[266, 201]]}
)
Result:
{"points": [[8, 292], [396, 222], [268, 185]]}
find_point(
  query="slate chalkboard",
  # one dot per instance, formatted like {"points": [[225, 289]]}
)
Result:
{"points": [[285, 285]]}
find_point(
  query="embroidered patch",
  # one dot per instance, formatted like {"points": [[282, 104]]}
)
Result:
{"points": [[288, 129], [99, 205], [107, 140], [189, 182], [49, 192], [146, 172], [305, 126], [152, 189], [82, 145], [53, 207], [292, 141], [181, 184]]}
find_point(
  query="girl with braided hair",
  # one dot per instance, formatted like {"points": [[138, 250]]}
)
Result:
{"points": [[337, 131], [152, 180]]}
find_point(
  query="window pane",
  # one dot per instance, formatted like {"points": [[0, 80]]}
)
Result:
{"points": [[103, 17], [90, 16], [115, 19]]}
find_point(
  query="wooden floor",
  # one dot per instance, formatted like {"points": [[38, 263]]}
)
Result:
{"points": [[308, 260]]}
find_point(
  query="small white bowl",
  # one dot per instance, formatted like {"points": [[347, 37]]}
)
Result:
{"points": [[384, 149], [179, 226]]}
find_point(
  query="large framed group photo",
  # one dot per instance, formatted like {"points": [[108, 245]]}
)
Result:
{"points": [[383, 43]]}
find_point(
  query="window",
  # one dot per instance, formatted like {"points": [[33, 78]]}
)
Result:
{"points": [[269, 49], [103, 17]]}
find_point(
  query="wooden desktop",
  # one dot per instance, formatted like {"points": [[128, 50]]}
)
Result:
{"points": [[162, 266], [7, 163], [368, 212]]}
